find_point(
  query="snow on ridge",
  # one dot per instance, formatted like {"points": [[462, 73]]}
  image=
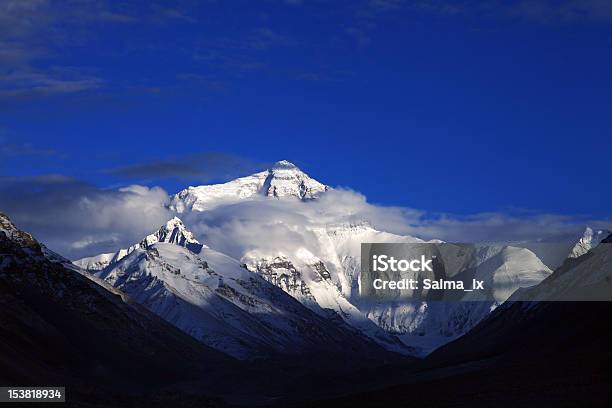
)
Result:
{"points": [[324, 274], [173, 232], [283, 180], [285, 164], [13, 233], [589, 240]]}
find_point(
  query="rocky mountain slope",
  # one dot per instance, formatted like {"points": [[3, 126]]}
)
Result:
{"points": [[428, 324], [589, 240], [553, 351], [323, 273], [215, 299], [59, 327]]}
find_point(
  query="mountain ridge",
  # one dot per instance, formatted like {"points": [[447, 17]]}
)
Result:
{"points": [[282, 180], [174, 231], [324, 274], [57, 326], [216, 300]]}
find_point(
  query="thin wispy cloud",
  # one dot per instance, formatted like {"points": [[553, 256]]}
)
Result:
{"points": [[169, 13], [506, 227], [569, 11], [365, 17], [35, 30], [23, 149], [208, 81], [200, 167], [532, 11], [116, 17], [236, 56], [31, 84]]}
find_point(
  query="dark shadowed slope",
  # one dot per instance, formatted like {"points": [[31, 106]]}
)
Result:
{"points": [[546, 327], [59, 328], [525, 354]]}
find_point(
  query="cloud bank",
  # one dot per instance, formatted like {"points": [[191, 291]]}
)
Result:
{"points": [[287, 225], [76, 219]]}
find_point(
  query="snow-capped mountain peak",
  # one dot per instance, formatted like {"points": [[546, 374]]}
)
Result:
{"points": [[173, 232], [589, 240], [13, 233], [285, 179], [285, 164], [282, 180], [212, 297]]}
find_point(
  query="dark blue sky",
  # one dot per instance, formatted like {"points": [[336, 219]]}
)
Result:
{"points": [[457, 107]]}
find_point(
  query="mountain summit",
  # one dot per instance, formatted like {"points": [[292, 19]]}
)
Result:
{"points": [[9, 231], [215, 299], [173, 232], [285, 164], [589, 240], [283, 180]]}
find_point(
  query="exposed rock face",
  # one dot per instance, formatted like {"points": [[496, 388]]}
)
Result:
{"points": [[286, 180], [589, 240], [216, 300], [282, 273], [58, 326], [322, 268], [525, 353], [13, 234], [174, 232]]}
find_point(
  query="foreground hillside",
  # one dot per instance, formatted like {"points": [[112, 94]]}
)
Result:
{"points": [[526, 353], [58, 327]]}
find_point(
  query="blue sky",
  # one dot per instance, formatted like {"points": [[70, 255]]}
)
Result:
{"points": [[458, 107]]}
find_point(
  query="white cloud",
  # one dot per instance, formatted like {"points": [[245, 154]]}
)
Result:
{"points": [[76, 219], [286, 225]]}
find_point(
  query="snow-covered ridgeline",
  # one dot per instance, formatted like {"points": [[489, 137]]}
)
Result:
{"points": [[324, 276], [174, 231], [283, 180]]}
